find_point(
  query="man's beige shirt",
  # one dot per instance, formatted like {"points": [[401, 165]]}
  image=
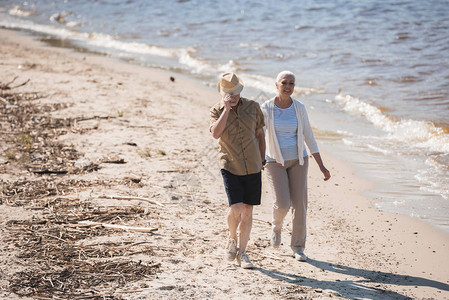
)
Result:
{"points": [[239, 147]]}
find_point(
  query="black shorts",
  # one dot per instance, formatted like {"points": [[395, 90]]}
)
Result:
{"points": [[243, 188]]}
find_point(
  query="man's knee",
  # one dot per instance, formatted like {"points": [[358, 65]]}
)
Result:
{"points": [[247, 211], [236, 209]]}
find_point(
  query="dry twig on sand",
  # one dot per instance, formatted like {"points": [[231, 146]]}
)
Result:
{"points": [[6, 86], [121, 227], [131, 198]]}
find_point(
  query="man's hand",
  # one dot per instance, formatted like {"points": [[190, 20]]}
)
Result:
{"points": [[227, 101]]}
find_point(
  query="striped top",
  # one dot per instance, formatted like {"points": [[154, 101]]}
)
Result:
{"points": [[286, 126], [304, 132]]}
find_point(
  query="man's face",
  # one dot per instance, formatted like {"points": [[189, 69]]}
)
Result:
{"points": [[234, 99]]}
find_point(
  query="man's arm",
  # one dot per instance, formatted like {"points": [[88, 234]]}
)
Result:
{"points": [[219, 126], [260, 135]]}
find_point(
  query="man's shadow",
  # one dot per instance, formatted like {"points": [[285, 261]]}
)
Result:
{"points": [[356, 288]]}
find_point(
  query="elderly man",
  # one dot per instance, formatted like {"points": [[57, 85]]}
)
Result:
{"points": [[238, 125]]}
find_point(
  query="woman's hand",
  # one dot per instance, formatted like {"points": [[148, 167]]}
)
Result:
{"points": [[323, 169], [326, 173]]}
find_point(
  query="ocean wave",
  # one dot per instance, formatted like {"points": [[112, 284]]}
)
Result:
{"points": [[61, 19], [93, 39], [422, 135], [109, 42], [197, 65], [435, 176], [20, 12]]}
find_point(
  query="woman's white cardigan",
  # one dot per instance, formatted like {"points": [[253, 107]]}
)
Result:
{"points": [[304, 132]]}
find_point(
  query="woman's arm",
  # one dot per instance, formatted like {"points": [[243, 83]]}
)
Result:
{"points": [[323, 169]]}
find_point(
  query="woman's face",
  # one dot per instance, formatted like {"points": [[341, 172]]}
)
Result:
{"points": [[286, 85]]}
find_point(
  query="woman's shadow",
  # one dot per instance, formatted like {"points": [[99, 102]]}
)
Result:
{"points": [[356, 288]]}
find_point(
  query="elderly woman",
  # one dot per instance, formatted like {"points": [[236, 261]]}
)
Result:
{"points": [[287, 131]]}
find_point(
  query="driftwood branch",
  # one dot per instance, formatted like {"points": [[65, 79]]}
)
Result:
{"points": [[14, 79], [46, 171], [94, 118], [20, 84], [262, 221], [115, 160], [7, 87], [121, 227], [270, 255], [132, 198]]}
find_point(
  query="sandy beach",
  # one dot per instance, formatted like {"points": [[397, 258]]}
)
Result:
{"points": [[88, 142]]}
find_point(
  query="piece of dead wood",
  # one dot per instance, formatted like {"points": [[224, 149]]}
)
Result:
{"points": [[6, 86], [270, 255], [114, 160], [94, 118], [262, 221], [131, 144], [22, 84], [131, 198], [133, 179], [46, 171], [121, 227]]}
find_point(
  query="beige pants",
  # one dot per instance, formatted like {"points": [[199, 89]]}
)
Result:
{"points": [[289, 184]]}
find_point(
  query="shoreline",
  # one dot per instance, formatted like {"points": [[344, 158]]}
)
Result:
{"points": [[387, 254]]}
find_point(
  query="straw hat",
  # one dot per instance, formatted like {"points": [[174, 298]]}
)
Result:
{"points": [[229, 84]]}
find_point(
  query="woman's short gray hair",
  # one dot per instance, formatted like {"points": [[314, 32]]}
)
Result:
{"points": [[283, 74]]}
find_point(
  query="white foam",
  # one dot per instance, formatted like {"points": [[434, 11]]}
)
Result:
{"points": [[417, 134], [107, 41], [93, 39], [186, 57], [22, 24], [260, 82], [379, 149], [18, 11], [348, 142]]}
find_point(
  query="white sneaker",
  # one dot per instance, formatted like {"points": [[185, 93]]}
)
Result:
{"points": [[243, 261], [231, 249], [276, 238], [299, 255]]}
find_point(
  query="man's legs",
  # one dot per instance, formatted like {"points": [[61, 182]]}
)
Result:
{"points": [[246, 221], [245, 226], [240, 216], [241, 190], [234, 218]]}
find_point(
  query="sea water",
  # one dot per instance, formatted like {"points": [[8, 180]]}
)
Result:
{"points": [[374, 75]]}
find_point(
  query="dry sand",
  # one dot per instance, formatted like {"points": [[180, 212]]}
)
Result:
{"points": [[159, 128]]}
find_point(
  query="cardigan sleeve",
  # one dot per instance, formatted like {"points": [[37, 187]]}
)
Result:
{"points": [[308, 133]]}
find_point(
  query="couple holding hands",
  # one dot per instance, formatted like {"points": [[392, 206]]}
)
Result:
{"points": [[270, 137]]}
